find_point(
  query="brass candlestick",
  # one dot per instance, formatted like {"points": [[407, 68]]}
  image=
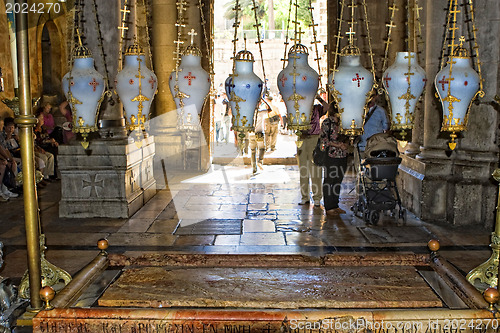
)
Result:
{"points": [[486, 274]]}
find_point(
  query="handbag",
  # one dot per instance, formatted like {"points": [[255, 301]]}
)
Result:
{"points": [[9, 179], [319, 156]]}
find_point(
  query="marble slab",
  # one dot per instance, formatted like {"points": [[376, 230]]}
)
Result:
{"points": [[284, 288]]}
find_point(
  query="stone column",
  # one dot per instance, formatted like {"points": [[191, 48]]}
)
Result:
{"points": [[164, 120]]}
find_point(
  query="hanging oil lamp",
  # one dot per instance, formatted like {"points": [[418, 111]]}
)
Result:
{"points": [[298, 84], [350, 86], [457, 86], [84, 89], [136, 86], [189, 84], [403, 82], [244, 90]]}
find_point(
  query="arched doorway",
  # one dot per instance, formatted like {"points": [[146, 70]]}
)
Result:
{"points": [[51, 59]]}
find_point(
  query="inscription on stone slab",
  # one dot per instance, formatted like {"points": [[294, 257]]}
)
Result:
{"points": [[328, 324]]}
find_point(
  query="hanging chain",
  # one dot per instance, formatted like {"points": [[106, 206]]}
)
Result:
{"points": [[259, 41], [388, 42], [180, 24], [123, 33], [145, 4], [236, 25], [375, 83], [418, 31], [100, 43], [296, 40], [287, 30], [210, 54], [210, 59], [476, 48], [445, 37], [315, 43], [337, 43]]}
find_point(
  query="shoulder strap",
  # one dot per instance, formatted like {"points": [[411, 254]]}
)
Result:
{"points": [[368, 116]]}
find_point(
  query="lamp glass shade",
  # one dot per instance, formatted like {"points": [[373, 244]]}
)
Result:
{"points": [[298, 85], [136, 85], [404, 82], [350, 87], [189, 87], [84, 89]]}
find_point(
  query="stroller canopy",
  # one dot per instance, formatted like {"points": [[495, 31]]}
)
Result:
{"points": [[381, 145]]}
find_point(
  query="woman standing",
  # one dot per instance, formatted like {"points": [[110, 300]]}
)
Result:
{"points": [[334, 143]]}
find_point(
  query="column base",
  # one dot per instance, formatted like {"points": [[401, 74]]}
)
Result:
{"points": [[457, 190]]}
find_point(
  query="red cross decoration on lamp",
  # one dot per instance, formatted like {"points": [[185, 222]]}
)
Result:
{"points": [[387, 79], [358, 78], [283, 80], [443, 81], [189, 77], [94, 84]]}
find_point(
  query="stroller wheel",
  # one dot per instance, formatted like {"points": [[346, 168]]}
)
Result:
{"points": [[373, 217], [366, 215]]}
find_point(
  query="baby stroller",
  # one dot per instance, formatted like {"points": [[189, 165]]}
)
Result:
{"points": [[376, 179]]}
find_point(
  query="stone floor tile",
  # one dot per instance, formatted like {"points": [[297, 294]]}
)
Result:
{"points": [[163, 226], [341, 237], [262, 238], [302, 239], [233, 207], [261, 215], [200, 207], [258, 206], [146, 214], [194, 240], [136, 225], [258, 226], [143, 239], [73, 239], [227, 240], [256, 198]]}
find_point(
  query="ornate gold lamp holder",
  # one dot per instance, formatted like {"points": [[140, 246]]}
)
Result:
{"points": [[350, 84], [486, 274], [458, 84]]}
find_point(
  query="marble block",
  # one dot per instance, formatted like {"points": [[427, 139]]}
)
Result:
{"points": [[110, 179]]}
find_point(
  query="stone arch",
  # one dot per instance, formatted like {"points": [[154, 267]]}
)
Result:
{"points": [[50, 56]]}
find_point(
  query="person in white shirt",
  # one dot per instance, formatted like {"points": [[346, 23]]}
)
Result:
{"points": [[256, 139]]}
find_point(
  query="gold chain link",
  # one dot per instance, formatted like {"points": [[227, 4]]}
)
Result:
{"points": [[259, 41], [285, 58], [315, 43]]}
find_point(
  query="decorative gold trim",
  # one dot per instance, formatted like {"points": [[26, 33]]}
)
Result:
{"points": [[51, 274]]}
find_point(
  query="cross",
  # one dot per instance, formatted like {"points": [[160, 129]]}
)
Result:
{"points": [[351, 34], [192, 33], [408, 75], [94, 84], [399, 117], [152, 81], [299, 34], [357, 78], [93, 184], [443, 81], [387, 79], [189, 77], [132, 180]]}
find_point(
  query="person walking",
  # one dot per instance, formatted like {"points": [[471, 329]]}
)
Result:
{"points": [[256, 139], [308, 171], [335, 144], [272, 124]]}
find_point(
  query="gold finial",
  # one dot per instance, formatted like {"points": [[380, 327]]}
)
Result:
{"points": [[461, 40], [47, 294], [192, 33]]}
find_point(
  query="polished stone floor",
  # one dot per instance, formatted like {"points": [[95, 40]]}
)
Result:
{"points": [[229, 210]]}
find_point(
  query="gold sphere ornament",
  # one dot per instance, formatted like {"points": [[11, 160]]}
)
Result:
{"points": [[433, 245], [491, 296], [47, 294], [102, 244]]}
